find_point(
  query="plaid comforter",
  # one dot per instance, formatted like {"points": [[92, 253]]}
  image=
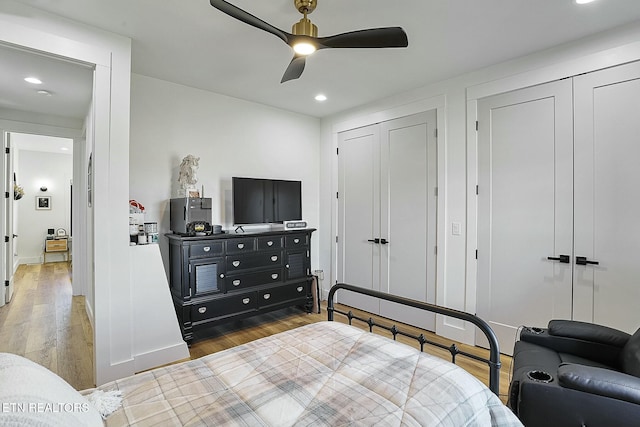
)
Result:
{"points": [[325, 373]]}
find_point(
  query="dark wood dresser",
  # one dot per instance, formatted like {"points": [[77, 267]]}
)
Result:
{"points": [[225, 277]]}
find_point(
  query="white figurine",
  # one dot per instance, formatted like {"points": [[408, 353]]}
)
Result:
{"points": [[188, 173]]}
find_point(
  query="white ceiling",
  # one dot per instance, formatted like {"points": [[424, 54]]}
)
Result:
{"points": [[191, 43]]}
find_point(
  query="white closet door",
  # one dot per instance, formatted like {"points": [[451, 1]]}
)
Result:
{"points": [[607, 202], [524, 208], [359, 214], [408, 215]]}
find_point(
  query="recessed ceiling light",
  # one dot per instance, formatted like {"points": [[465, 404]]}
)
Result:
{"points": [[44, 92], [33, 80], [584, 1], [64, 148], [321, 97]]}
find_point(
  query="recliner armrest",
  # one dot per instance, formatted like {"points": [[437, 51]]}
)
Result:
{"points": [[599, 381], [601, 353], [588, 332]]}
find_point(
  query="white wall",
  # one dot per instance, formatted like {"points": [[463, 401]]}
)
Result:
{"points": [[456, 284], [38, 168], [109, 140], [232, 137]]}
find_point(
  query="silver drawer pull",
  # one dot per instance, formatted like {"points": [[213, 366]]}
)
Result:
{"points": [[299, 288], [266, 296], [202, 310], [270, 243], [236, 263], [221, 275], [240, 245], [246, 301], [274, 276], [274, 258], [206, 248], [296, 241], [236, 282]]}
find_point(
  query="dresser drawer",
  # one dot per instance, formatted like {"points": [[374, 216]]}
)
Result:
{"points": [[281, 294], [242, 281], [240, 246], [258, 260], [296, 240], [205, 249], [271, 242], [57, 245], [221, 307]]}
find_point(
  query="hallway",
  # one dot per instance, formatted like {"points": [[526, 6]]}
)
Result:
{"points": [[46, 324]]}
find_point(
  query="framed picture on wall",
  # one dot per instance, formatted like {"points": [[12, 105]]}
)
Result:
{"points": [[43, 202]]}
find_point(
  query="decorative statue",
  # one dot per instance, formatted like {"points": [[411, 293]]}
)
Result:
{"points": [[188, 172]]}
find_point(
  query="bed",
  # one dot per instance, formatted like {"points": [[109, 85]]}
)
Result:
{"points": [[326, 373]]}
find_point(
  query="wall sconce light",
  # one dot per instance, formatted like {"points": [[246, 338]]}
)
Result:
{"points": [[43, 188]]}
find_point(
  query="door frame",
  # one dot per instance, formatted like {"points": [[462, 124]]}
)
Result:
{"points": [[437, 103], [589, 63]]}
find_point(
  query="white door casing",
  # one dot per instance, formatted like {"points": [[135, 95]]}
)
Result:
{"points": [[387, 214], [524, 208]]}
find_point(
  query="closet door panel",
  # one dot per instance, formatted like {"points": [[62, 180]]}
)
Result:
{"points": [[524, 209], [358, 215], [607, 202], [408, 215]]}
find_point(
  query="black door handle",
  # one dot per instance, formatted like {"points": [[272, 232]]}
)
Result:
{"points": [[384, 241], [582, 260], [562, 258], [376, 240]]}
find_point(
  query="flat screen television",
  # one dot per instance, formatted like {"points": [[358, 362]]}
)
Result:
{"points": [[265, 201]]}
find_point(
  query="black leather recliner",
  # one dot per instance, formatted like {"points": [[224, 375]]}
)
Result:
{"points": [[576, 374]]}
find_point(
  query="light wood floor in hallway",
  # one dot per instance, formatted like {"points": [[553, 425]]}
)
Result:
{"points": [[46, 324]]}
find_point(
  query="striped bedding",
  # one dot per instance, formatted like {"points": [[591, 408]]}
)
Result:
{"points": [[323, 374]]}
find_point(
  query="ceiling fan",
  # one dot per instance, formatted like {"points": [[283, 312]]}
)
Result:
{"points": [[304, 35]]}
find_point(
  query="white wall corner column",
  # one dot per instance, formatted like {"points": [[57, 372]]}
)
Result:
{"points": [[156, 333]]}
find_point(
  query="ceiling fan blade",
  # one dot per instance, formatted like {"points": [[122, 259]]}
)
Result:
{"points": [[370, 38], [247, 18], [295, 68]]}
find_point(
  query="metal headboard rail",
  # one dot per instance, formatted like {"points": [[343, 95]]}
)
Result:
{"points": [[494, 350]]}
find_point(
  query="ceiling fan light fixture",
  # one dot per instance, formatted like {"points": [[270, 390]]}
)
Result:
{"points": [[304, 48]]}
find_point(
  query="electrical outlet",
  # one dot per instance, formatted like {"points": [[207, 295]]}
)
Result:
{"points": [[319, 273]]}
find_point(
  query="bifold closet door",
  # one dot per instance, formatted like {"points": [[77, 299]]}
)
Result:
{"points": [[408, 215], [607, 197], [525, 211], [387, 214], [359, 214]]}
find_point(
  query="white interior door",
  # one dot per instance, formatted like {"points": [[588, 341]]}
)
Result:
{"points": [[408, 215], [607, 202], [359, 214], [524, 208], [8, 260]]}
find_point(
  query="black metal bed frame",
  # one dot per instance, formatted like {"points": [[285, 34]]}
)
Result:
{"points": [[494, 349]]}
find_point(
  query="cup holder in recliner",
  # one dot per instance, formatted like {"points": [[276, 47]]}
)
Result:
{"points": [[535, 330], [539, 376]]}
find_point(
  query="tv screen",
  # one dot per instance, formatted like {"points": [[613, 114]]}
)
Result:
{"points": [[260, 201]]}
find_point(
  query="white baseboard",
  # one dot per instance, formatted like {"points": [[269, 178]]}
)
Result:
{"points": [[159, 357]]}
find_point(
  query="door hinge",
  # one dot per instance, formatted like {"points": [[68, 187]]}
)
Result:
{"points": [[435, 250], [6, 239], [435, 132], [477, 125], [337, 151], [189, 268], [476, 254], [6, 194], [336, 239], [337, 197], [6, 283], [477, 190], [435, 191], [7, 150]]}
